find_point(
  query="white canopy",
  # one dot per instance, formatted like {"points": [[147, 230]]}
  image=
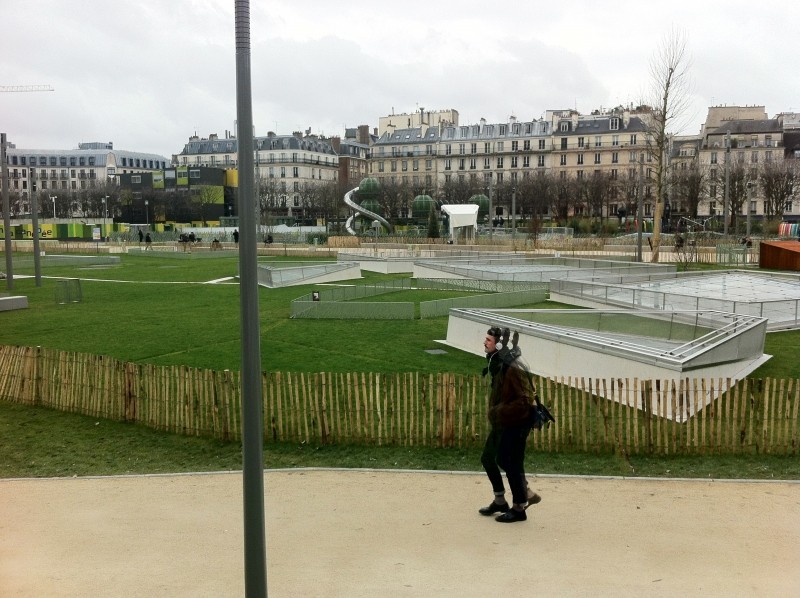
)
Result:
{"points": [[462, 215]]}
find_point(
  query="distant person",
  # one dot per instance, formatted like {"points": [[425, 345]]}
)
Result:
{"points": [[268, 240], [236, 236], [216, 245], [141, 236], [148, 242]]}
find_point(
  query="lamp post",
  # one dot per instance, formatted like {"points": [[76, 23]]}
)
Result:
{"points": [[147, 213], [53, 199], [105, 213], [749, 202]]}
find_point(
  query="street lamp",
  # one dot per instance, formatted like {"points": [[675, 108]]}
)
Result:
{"points": [[53, 199], [147, 213], [105, 211]]}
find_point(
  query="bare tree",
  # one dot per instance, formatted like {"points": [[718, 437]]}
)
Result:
{"points": [[669, 100], [688, 185], [778, 184]]}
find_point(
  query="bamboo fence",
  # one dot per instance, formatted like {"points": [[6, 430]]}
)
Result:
{"points": [[412, 409]]}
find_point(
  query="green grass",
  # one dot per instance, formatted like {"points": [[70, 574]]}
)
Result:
{"points": [[197, 324], [40, 442]]}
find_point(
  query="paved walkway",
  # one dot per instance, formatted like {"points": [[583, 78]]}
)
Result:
{"points": [[363, 533]]}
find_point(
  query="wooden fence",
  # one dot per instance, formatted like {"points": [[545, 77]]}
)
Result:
{"points": [[411, 409]]}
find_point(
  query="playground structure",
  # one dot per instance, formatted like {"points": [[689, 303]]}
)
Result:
{"points": [[360, 211]]}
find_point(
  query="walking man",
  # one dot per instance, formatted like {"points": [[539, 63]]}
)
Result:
{"points": [[510, 420]]}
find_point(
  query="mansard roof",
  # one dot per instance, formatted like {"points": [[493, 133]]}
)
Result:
{"points": [[745, 127], [409, 136]]}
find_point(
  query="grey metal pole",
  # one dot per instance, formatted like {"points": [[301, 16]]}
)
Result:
{"points": [[37, 265], [514, 213], [749, 201], [6, 215], [491, 214], [726, 197], [639, 209], [255, 545]]}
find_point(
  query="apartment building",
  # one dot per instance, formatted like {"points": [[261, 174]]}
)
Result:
{"points": [[738, 144], [70, 174], [285, 164]]}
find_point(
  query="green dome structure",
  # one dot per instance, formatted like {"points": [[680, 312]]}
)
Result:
{"points": [[421, 206], [372, 206], [368, 188], [483, 205]]}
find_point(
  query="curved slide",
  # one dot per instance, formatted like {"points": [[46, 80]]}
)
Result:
{"points": [[361, 212]]}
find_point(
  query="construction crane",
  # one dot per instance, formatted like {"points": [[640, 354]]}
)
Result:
{"points": [[25, 88]]}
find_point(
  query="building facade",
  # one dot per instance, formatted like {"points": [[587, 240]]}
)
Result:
{"points": [[74, 180]]}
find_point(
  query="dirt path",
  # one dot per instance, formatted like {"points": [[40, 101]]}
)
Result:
{"points": [[355, 533]]}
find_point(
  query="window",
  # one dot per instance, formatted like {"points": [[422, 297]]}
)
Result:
{"points": [[540, 162], [296, 186], [542, 144], [754, 158], [461, 163], [513, 161], [713, 157], [633, 138], [501, 146], [615, 157], [526, 161], [598, 141], [394, 166], [563, 127], [136, 179], [415, 164], [579, 174], [712, 191], [448, 149], [473, 163], [768, 140], [615, 140], [447, 165], [526, 145], [283, 172], [515, 146], [295, 171], [503, 129], [462, 148], [499, 178], [500, 162], [614, 124], [597, 157], [563, 143], [473, 148], [563, 159], [768, 156], [194, 173], [404, 165], [580, 159], [487, 162], [712, 208]]}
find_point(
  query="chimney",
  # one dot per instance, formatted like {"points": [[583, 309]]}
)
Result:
{"points": [[336, 144]]}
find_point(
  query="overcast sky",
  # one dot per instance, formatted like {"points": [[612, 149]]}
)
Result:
{"points": [[149, 74]]}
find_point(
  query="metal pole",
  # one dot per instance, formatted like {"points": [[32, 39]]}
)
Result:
{"points": [[37, 265], [255, 546], [639, 208], [491, 213], [6, 214], [513, 213], [725, 200], [749, 201]]}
